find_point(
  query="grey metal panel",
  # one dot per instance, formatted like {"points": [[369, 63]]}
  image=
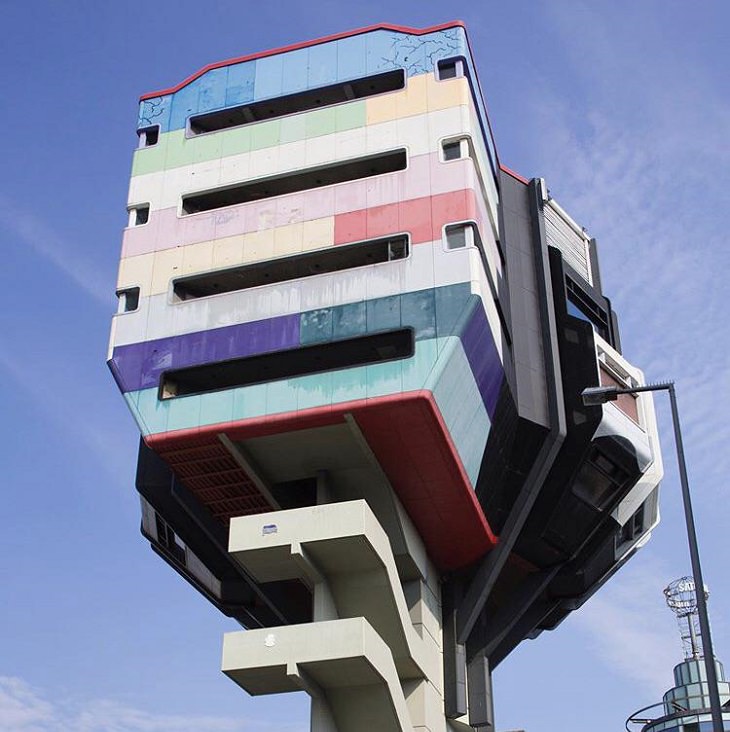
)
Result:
{"points": [[454, 654], [481, 705], [524, 306], [490, 568]]}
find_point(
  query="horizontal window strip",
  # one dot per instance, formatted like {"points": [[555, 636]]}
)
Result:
{"points": [[423, 370], [163, 192], [425, 97], [362, 350], [321, 261], [175, 149], [429, 312], [301, 180], [426, 267], [303, 101], [421, 216]]}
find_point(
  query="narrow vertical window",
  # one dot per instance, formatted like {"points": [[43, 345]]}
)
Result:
{"points": [[459, 236], [452, 150], [128, 300], [170, 540], [455, 149], [139, 215], [449, 68], [397, 248], [149, 136], [633, 527]]}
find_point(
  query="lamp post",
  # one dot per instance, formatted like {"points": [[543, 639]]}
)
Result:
{"points": [[597, 395]]}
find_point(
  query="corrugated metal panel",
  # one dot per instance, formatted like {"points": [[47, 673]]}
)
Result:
{"points": [[561, 234]]}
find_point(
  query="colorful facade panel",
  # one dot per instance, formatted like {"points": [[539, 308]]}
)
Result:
{"points": [[284, 72], [331, 292], [425, 267], [163, 190], [445, 394], [426, 102], [430, 313], [375, 208], [423, 219], [463, 372]]}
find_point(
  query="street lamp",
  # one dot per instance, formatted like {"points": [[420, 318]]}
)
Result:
{"points": [[596, 395]]}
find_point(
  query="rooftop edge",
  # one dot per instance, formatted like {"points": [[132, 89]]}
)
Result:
{"points": [[303, 44]]}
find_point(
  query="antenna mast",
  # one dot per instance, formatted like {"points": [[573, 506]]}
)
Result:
{"points": [[680, 597]]}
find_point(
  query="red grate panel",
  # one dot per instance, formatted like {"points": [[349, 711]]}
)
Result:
{"points": [[410, 440], [210, 473]]}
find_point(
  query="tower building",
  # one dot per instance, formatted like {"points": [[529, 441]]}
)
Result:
{"points": [[686, 707], [354, 344]]}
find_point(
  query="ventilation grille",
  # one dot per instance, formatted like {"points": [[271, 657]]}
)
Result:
{"points": [[561, 233], [217, 481]]}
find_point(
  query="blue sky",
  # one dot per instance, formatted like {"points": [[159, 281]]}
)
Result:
{"points": [[621, 106]]}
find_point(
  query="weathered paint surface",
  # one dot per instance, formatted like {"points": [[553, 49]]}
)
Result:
{"points": [[433, 409], [308, 68]]}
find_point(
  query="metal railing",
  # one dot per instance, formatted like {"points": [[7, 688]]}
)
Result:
{"points": [[683, 707]]}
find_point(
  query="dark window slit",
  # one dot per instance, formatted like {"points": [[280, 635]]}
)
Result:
{"points": [[333, 259], [149, 136], [323, 96], [452, 150], [369, 349], [140, 215], [449, 68], [581, 305], [128, 299], [301, 180]]}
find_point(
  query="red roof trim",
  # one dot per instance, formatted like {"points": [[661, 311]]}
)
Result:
{"points": [[473, 500], [516, 176], [304, 44]]}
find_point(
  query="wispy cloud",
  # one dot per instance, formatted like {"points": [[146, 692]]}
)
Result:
{"points": [[631, 630], [100, 439], [39, 236], [640, 162], [638, 156], [21, 708], [24, 708]]}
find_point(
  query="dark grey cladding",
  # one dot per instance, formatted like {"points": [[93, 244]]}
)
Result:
{"points": [[548, 481], [236, 595]]}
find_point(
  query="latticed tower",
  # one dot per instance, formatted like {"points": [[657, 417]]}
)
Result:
{"points": [[686, 706], [682, 601]]}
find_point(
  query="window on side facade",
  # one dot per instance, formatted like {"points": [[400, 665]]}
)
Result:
{"points": [[460, 236], [139, 215], [455, 149], [449, 68], [149, 136], [128, 299]]}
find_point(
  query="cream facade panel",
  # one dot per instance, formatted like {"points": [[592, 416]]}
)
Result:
{"points": [[427, 267], [227, 252], [422, 93]]}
